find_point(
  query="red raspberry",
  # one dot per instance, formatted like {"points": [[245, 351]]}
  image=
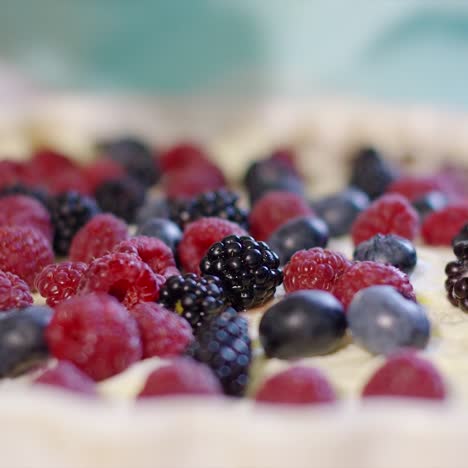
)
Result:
{"points": [[154, 252], [414, 187], [315, 268], [361, 275], [273, 210], [97, 237], [181, 156], [47, 163], [71, 180], [123, 276], [389, 214], [14, 292], [406, 375], [67, 376], [59, 281], [96, 333], [298, 385], [24, 251], [10, 173], [101, 171], [440, 227], [199, 236], [163, 333], [181, 377], [21, 210]]}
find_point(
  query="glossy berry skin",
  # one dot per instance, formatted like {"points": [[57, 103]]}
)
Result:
{"points": [[383, 321], [162, 229], [340, 210], [304, 323], [248, 270], [298, 234], [430, 202], [22, 342], [389, 249], [456, 283]]}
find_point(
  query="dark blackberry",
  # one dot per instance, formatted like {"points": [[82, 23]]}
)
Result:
{"points": [[20, 189], [224, 345], [193, 297], [220, 204], [136, 158], [456, 284], [121, 197], [69, 212], [248, 270], [461, 236]]}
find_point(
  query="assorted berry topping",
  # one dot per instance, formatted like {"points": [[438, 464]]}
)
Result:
{"points": [[430, 202], [162, 229], [456, 284], [440, 227], [249, 270], [194, 298], [14, 292]]}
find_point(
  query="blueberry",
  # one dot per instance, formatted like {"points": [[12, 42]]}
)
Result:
{"points": [[297, 234], [390, 249], [304, 323], [340, 210], [163, 229], [154, 207], [430, 202], [22, 341], [382, 321]]}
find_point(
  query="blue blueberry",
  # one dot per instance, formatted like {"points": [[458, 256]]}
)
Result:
{"points": [[382, 321], [340, 210], [154, 207], [163, 229], [304, 323], [22, 341], [297, 234], [390, 249], [430, 202]]}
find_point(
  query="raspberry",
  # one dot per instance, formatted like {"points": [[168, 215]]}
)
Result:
{"points": [[440, 227], [22, 210], [14, 292], [101, 171], [123, 276], [67, 376], [315, 268], [10, 173], [405, 374], [182, 155], [19, 189], [413, 187], [181, 377], [162, 332], [298, 385], [95, 333], [199, 236], [47, 164], [97, 237], [24, 251], [59, 281], [274, 209], [361, 275], [154, 252], [72, 179], [389, 214]]}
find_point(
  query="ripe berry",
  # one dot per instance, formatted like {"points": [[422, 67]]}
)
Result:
{"points": [[298, 385], [390, 214], [182, 155], [304, 323], [155, 206], [406, 375], [194, 298], [59, 281], [97, 237], [456, 284], [298, 234], [383, 321], [22, 343], [14, 292], [102, 170], [162, 229], [224, 345], [427, 204], [440, 227], [364, 274], [389, 249], [273, 210], [199, 236], [96, 333], [461, 236], [34, 192], [162, 332], [314, 269], [414, 187], [69, 211], [181, 377]]}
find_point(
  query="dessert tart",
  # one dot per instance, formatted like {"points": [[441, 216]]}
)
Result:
{"points": [[303, 314]]}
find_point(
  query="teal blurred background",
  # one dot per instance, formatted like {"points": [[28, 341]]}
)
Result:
{"points": [[404, 50]]}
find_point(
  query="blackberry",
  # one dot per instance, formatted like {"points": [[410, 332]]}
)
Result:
{"points": [[121, 197], [34, 192], [456, 284], [248, 270], [69, 212], [136, 158], [224, 345], [461, 236], [220, 203], [194, 298]]}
